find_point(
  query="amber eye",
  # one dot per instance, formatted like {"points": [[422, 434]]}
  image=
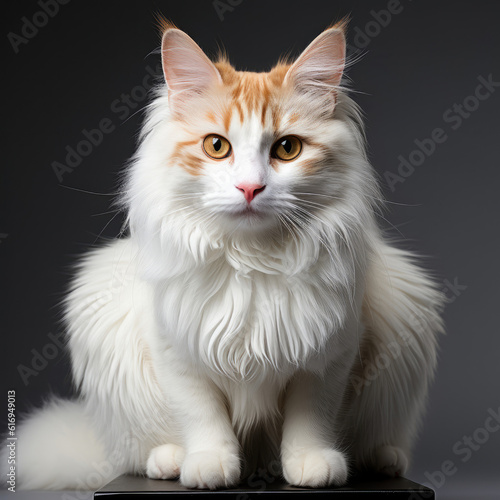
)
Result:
{"points": [[287, 148], [216, 146]]}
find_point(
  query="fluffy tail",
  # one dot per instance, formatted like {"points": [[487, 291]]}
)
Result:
{"points": [[402, 316], [57, 449]]}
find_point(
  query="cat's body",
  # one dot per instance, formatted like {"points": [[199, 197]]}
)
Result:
{"points": [[231, 328]]}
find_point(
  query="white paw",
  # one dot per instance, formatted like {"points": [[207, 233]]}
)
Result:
{"points": [[210, 469], [165, 462], [315, 468], [391, 461]]}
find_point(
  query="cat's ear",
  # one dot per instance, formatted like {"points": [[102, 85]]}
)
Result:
{"points": [[319, 69], [187, 70]]}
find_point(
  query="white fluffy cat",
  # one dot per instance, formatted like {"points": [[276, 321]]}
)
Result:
{"points": [[255, 315]]}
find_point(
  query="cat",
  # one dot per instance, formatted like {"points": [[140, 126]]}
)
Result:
{"points": [[256, 315]]}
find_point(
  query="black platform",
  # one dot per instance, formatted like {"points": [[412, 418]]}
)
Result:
{"points": [[135, 488]]}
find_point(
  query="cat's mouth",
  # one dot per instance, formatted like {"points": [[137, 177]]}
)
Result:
{"points": [[249, 213], [249, 209]]}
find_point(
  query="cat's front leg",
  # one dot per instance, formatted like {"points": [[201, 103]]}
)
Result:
{"points": [[210, 455], [308, 451], [212, 450]]}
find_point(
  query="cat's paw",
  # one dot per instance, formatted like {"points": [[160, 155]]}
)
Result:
{"points": [[315, 468], [165, 462], [390, 460], [211, 469]]}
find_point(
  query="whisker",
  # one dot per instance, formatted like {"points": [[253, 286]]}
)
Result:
{"points": [[91, 192], [104, 228], [382, 200], [105, 213], [391, 224]]}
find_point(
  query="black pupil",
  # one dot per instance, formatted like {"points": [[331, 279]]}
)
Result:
{"points": [[217, 144], [287, 145]]}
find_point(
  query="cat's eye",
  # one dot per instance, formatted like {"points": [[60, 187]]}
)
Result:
{"points": [[287, 148], [216, 146]]}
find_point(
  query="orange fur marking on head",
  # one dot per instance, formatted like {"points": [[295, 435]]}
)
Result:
{"points": [[182, 145], [211, 117], [188, 161], [227, 118], [277, 117], [323, 157], [277, 74], [238, 107], [251, 92], [191, 163], [310, 166], [263, 113], [227, 72]]}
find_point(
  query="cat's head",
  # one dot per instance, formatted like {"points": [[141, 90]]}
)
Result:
{"points": [[234, 152]]}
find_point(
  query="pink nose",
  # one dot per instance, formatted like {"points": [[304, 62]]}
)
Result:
{"points": [[250, 190]]}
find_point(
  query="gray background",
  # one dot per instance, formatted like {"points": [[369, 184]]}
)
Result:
{"points": [[413, 71]]}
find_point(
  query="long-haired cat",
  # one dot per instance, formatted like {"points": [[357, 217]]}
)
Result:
{"points": [[255, 316]]}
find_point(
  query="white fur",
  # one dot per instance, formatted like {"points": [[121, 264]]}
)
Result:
{"points": [[201, 345]]}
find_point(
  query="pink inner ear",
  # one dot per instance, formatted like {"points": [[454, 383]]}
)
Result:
{"points": [[322, 62], [186, 68]]}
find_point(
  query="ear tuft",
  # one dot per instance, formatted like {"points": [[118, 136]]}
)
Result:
{"points": [[340, 25], [163, 24]]}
